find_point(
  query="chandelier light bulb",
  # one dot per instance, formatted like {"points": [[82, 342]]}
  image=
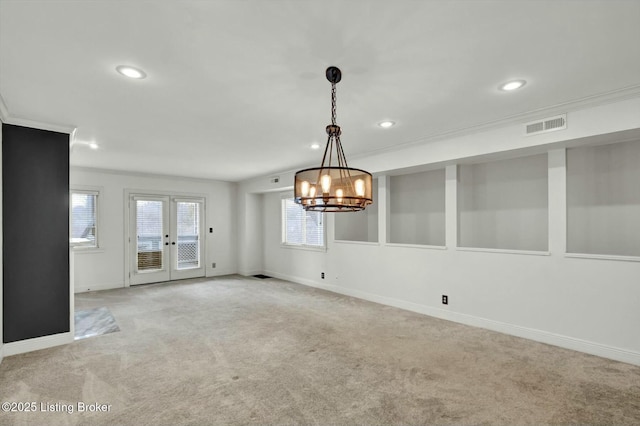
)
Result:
{"points": [[304, 188], [359, 187], [325, 182], [312, 193], [339, 195]]}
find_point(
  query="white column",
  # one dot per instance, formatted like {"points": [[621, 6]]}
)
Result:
{"points": [[558, 202], [451, 206], [383, 209], [250, 233]]}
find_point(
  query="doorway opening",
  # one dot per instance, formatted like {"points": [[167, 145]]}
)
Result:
{"points": [[165, 238]]}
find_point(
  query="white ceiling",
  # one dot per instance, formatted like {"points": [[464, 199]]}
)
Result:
{"points": [[236, 89]]}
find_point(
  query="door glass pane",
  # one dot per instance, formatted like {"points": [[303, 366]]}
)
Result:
{"points": [[188, 220], [149, 231]]}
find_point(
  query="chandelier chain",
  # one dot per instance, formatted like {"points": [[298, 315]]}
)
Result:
{"points": [[333, 104]]}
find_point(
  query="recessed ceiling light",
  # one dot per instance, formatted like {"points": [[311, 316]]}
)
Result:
{"points": [[512, 85], [315, 146], [386, 124], [131, 72]]}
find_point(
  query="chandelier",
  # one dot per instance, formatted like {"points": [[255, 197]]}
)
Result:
{"points": [[333, 188]]}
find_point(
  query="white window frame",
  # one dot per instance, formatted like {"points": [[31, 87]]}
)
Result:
{"points": [[86, 191], [283, 223]]}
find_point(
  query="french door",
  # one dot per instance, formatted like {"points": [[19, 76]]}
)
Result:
{"points": [[165, 240]]}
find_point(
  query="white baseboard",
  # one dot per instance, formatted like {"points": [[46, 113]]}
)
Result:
{"points": [[250, 273], [562, 341], [112, 286], [218, 272], [98, 287], [37, 343]]}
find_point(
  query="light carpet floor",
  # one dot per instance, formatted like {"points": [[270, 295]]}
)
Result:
{"points": [[235, 350]]}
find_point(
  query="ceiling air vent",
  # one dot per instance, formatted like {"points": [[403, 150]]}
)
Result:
{"points": [[545, 125], [275, 179]]}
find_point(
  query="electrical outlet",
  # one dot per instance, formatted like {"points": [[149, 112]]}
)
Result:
{"points": [[445, 299], [322, 275], [213, 265]]}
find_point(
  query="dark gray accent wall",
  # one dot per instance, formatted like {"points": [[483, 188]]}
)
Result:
{"points": [[35, 215]]}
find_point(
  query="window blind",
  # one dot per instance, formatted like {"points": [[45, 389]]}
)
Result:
{"points": [[83, 219], [301, 227], [149, 229]]}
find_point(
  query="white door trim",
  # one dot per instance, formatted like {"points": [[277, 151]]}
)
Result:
{"points": [[153, 275], [152, 192]]}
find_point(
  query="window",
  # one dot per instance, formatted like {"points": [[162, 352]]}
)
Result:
{"points": [[299, 227], [84, 215]]}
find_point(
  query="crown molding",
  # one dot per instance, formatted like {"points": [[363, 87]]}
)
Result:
{"points": [[7, 118], [60, 128], [74, 168]]}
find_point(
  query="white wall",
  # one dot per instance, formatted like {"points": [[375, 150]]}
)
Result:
{"points": [[584, 304], [302, 263], [105, 268]]}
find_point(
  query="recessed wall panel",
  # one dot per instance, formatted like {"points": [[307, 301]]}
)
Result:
{"points": [[416, 211], [504, 204], [603, 199]]}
